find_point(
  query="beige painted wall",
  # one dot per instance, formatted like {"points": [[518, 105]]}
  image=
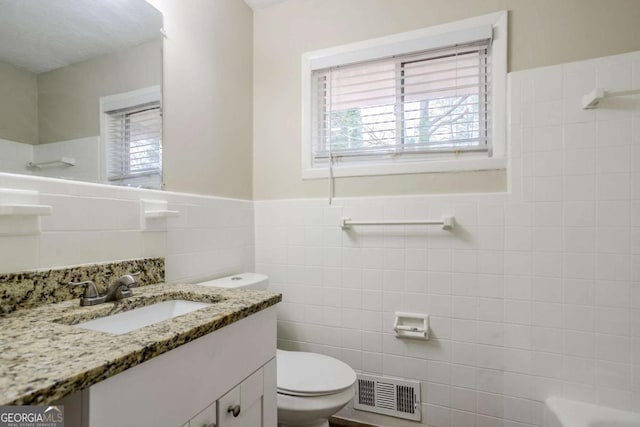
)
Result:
{"points": [[542, 32], [68, 98], [18, 104], [208, 100]]}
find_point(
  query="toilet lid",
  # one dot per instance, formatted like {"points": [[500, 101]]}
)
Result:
{"points": [[311, 374]]}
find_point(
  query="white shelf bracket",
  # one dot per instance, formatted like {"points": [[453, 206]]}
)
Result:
{"points": [[152, 214], [20, 212]]}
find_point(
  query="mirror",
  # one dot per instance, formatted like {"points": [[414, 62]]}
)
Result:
{"points": [[80, 90]]}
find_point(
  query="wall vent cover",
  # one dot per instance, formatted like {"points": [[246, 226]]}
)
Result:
{"points": [[388, 396]]}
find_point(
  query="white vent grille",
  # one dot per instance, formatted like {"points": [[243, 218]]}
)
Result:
{"points": [[388, 396]]}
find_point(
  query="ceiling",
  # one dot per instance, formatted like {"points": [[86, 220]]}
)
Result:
{"points": [[42, 35], [256, 4]]}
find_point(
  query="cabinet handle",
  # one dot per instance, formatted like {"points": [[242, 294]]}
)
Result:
{"points": [[209, 425], [235, 409]]}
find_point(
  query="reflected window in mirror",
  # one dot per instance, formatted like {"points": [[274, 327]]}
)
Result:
{"points": [[57, 61], [131, 137]]}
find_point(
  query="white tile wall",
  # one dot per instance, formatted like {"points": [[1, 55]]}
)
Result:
{"points": [[14, 156], [93, 223], [535, 293], [86, 152]]}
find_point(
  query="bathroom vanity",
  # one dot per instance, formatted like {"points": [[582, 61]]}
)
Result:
{"points": [[214, 366], [225, 378]]}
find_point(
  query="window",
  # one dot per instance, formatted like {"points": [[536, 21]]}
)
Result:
{"points": [[416, 102], [132, 135]]}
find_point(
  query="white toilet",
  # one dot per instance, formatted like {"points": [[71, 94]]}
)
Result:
{"points": [[311, 387]]}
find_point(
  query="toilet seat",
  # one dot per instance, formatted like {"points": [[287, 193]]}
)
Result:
{"points": [[310, 374]]}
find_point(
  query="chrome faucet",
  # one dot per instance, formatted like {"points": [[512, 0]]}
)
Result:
{"points": [[117, 290]]}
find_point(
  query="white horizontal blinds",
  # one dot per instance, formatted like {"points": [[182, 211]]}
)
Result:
{"points": [[445, 99], [134, 150], [430, 102]]}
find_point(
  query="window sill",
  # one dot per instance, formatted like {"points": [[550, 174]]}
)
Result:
{"points": [[434, 166]]}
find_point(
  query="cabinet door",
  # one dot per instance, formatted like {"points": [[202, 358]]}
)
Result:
{"points": [[226, 404], [206, 418], [242, 406], [251, 392]]}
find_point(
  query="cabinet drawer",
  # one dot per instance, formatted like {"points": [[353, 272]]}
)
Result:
{"points": [[206, 418]]}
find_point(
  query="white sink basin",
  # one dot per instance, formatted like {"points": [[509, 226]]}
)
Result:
{"points": [[128, 321]]}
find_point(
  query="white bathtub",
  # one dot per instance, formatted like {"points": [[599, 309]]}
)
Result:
{"points": [[570, 413]]}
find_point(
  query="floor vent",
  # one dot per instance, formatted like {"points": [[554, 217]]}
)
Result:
{"points": [[388, 396]]}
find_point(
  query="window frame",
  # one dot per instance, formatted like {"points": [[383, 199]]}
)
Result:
{"points": [[120, 101], [407, 43]]}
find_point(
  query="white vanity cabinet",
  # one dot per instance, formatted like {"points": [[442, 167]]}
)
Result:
{"points": [[249, 404], [195, 384]]}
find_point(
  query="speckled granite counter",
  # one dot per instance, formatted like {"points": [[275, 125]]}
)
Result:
{"points": [[27, 289], [43, 358]]}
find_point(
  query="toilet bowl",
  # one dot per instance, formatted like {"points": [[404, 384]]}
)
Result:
{"points": [[311, 387]]}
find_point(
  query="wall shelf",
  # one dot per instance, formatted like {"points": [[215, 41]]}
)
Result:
{"points": [[25, 210], [152, 214], [20, 212], [161, 214]]}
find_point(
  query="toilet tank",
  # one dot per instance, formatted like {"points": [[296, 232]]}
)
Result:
{"points": [[239, 281]]}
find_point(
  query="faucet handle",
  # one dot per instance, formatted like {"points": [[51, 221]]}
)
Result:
{"points": [[90, 291], [127, 281], [133, 276]]}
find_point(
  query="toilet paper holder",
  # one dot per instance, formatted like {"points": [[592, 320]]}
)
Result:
{"points": [[411, 325]]}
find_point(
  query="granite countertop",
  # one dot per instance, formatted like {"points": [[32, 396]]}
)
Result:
{"points": [[44, 358]]}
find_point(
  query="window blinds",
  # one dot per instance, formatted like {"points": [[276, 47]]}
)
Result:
{"points": [[432, 102], [134, 146]]}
